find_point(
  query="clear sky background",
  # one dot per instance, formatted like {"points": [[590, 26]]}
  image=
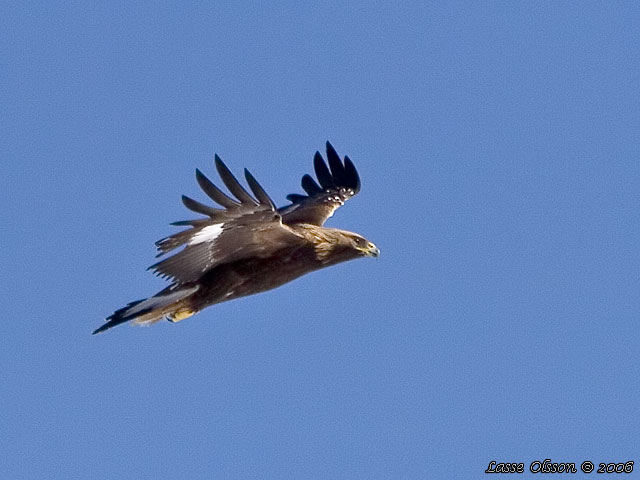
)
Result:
{"points": [[498, 145]]}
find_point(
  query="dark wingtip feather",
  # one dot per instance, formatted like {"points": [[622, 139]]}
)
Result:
{"points": [[296, 197], [201, 208], [351, 175], [336, 166], [201, 176], [213, 192], [232, 183], [186, 223], [322, 171], [310, 186], [258, 191]]}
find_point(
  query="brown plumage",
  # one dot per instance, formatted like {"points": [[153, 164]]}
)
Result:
{"points": [[250, 246]]}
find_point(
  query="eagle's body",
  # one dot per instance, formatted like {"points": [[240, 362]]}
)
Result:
{"points": [[250, 246]]}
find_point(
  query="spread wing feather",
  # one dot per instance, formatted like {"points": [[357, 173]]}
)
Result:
{"points": [[232, 183], [336, 166], [201, 208], [310, 186], [339, 181], [258, 191], [243, 229], [322, 172], [214, 192]]}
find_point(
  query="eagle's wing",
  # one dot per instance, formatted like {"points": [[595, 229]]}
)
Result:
{"points": [[246, 227], [338, 182]]}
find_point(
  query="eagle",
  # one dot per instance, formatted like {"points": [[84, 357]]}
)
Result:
{"points": [[249, 245]]}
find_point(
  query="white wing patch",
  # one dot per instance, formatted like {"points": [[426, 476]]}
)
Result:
{"points": [[207, 234]]}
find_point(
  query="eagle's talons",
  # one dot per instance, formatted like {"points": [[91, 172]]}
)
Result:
{"points": [[180, 315]]}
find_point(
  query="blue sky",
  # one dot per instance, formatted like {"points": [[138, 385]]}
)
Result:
{"points": [[498, 145]]}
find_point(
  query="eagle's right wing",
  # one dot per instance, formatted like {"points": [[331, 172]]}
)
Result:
{"points": [[246, 227]]}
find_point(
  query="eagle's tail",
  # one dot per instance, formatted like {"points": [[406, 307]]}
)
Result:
{"points": [[169, 303]]}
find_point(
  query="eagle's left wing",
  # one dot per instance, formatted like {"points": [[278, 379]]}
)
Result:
{"points": [[338, 183], [246, 227]]}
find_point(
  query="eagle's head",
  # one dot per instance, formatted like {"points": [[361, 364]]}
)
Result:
{"points": [[335, 246], [362, 246]]}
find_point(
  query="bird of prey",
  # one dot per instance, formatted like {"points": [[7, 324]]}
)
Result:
{"points": [[249, 245]]}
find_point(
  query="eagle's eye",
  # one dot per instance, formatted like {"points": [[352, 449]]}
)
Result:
{"points": [[360, 242]]}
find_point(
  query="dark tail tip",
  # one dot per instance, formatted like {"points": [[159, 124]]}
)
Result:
{"points": [[103, 328], [113, 321], [118, 317]]}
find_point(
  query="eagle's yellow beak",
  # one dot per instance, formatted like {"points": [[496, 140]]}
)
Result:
{"points": [[371, 250]]}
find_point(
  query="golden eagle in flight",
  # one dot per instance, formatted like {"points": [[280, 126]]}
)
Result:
{"points": [[250, 246]]}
